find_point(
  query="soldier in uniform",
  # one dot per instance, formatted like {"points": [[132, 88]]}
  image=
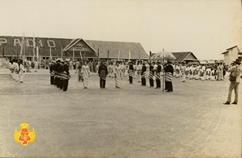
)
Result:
{"points": [[131, 72], [168, 76], [58, 73], [52, 73], [151, 75], [158, 73], [234, 79], [65, 76], [143, 77], [102, 72]]}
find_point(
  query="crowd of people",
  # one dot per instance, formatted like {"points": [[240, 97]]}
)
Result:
{"points": [[151, 74], [17, 69], [200, 71]]}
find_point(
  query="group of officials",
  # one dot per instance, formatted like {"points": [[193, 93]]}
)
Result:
{"points": [[145, 72]]}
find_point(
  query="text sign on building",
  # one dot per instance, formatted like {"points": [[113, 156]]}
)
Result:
{"points": [[28, 42]]}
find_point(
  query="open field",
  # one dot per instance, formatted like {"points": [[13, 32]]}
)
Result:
{"points": [[133, 121]]}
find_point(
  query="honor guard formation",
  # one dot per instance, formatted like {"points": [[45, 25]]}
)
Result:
{"points": [[147, 73], [59, 74]]}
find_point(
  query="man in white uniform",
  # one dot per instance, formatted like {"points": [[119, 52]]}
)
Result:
{"points": [[117, 74]]}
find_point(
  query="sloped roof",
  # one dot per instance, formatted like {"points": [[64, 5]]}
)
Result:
{"points": [[118, 49], [232, 47], [181, 56], [74, 42], [225, 52], [136, 50]]}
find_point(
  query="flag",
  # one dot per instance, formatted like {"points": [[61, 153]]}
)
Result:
{"points": [[34, 47]]}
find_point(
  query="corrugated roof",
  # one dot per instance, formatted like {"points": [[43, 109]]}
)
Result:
{"points": [[181, 56], [118, 49], [136, 50]]}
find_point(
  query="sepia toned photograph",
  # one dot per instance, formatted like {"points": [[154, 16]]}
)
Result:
{"points": [[121, 78]]}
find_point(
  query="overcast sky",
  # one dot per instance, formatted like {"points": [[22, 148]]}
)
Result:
{"points": [[205, 27]]}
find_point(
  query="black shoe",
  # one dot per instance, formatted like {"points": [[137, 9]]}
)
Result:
{"points": [[234, 102], [227, 103]]}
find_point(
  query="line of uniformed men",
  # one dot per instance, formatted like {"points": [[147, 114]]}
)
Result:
{"points": [[59, 74]]}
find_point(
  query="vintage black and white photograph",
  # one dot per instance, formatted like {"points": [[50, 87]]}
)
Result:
{"points": [[121, 78]]}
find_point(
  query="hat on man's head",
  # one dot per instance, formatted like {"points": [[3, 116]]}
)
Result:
{"points": [[237, 61]]}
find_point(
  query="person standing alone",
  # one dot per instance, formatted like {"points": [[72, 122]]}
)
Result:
{"points": [[234, 78]]}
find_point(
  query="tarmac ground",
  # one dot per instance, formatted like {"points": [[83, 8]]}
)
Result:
{"points": [[133, 121]]}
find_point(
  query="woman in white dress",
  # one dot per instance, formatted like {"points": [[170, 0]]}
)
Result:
{"points": [[117, 71], [85, 72]]}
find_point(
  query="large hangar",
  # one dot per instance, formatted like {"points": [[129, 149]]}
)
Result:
{"points": [[46, 48]]}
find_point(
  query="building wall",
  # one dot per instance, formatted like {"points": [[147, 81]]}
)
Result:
{"points": [[231, 56]]}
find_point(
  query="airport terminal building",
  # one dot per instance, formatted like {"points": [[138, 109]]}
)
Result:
{"points": [[46, 48]]}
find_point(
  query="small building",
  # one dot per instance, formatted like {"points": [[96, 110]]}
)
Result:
{"points": [[78, 48], [187, 57], [231, 54]]}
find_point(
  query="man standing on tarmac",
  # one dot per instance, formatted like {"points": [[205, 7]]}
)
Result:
{"points": [[65, 75], [102, 72], [234, 78]]}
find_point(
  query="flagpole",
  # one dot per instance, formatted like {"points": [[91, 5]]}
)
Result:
{"points": [[81, 56], [73, 54], [163, 82], [37, 53], [23, 56], [33, 48], [50, 54], [61, 52]]}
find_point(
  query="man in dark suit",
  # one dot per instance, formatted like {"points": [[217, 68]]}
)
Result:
{"points": [[158, 71], [102, 72], [131, 72], [168, 68], [143, 79]]}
